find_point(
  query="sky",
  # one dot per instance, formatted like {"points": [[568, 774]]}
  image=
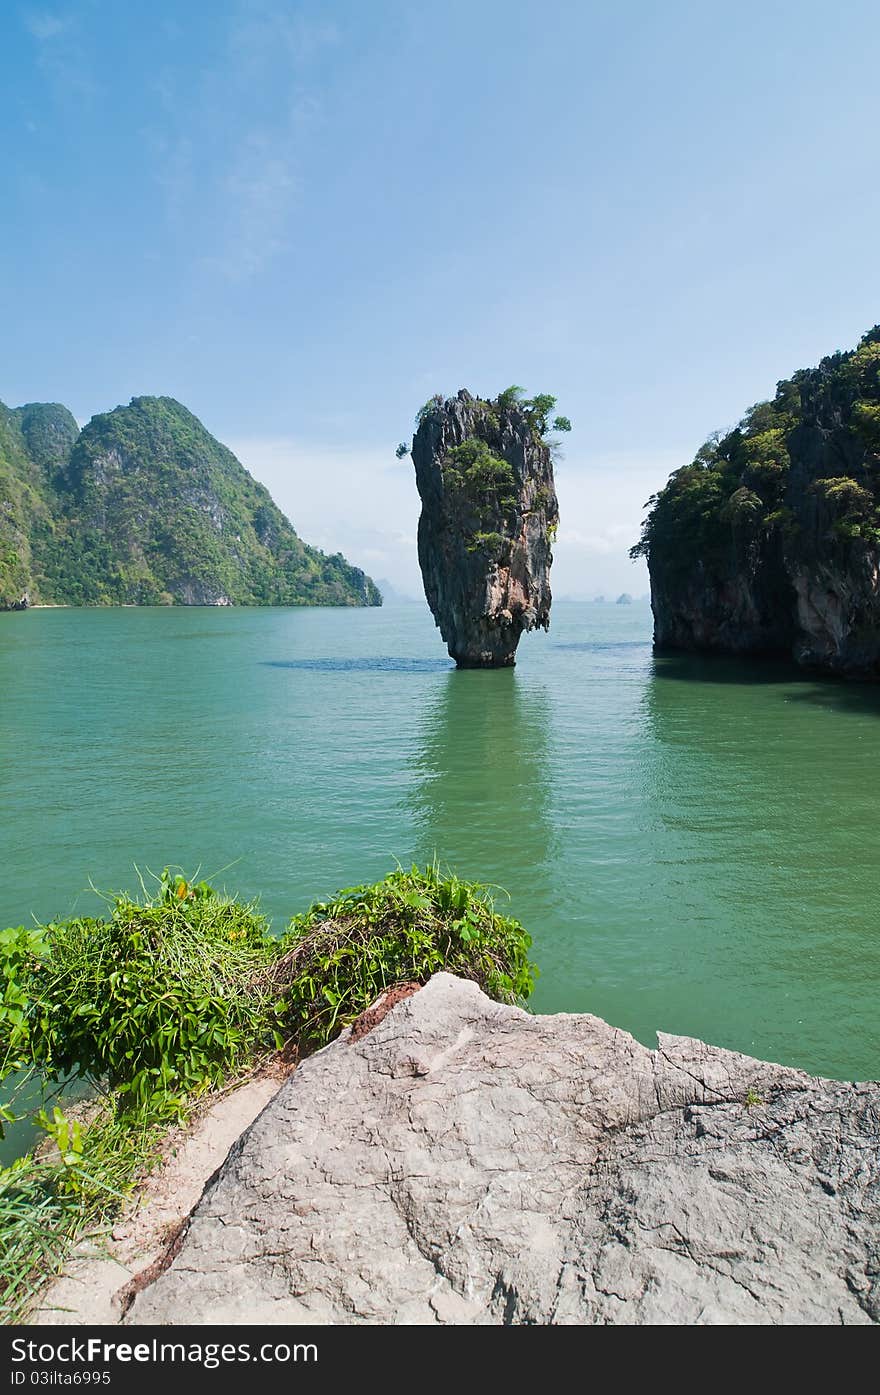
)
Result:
{"points": [[303, 219]]}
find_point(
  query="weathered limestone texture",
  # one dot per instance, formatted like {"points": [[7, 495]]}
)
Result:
{"points": [[465, 1162], [484, 540]]}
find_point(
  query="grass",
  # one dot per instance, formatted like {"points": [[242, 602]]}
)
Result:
{"points": [[337, 958], [164, 999], [52, 1199]]}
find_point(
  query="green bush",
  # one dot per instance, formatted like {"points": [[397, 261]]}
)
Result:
{"points": [[339, 956], [160, 1000]]}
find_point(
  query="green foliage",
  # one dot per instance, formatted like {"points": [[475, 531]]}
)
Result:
{"points": [[743, 509], [145, 507], [48, 1200], [538, 409], [161, 999], [402, 450], [340, 955], [846, 495], [49, 432], [510, 397], [21, 954], [428, 407], [740, 484], [476, 471], [561, 424], [493, 544]]}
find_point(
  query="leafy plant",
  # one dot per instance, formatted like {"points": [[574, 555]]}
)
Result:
{"points": [[494, 544], [338, 957], [160, 1000], [744, 476]]}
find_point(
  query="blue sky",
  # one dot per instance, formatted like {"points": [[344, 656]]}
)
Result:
{"points": [[302, 219]]}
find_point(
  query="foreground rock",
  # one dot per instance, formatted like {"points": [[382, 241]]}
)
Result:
{"points": [[101, 1275], [464, 1162], [489, 510]]}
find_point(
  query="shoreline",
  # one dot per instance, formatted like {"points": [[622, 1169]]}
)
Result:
{"points": [[101, 1276]]}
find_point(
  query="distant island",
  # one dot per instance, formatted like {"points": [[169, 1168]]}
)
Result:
{"points": [[145, 507], [624, 599], [769, 541]]}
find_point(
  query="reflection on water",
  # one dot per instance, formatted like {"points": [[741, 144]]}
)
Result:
{"points": [[755, 774], [480, 794], [372, 665], [692, 842]]}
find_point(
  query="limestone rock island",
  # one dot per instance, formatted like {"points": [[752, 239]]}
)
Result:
{"points": [[484, 473], [769, 541]]}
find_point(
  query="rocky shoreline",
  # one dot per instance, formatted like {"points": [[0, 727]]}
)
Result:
{"points": [[461, 1161]]}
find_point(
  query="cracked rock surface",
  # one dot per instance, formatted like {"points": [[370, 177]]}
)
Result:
{"points": [[465, 1162]]}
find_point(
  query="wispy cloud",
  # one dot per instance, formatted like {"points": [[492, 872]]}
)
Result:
{"points": [[42, 25], [229, 147], [360, 502], [342, 499], [61, 54]]}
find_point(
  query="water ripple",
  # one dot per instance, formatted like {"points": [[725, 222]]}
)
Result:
{"points": [[371, 665]]}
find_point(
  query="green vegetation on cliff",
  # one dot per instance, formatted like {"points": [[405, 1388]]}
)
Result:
{"points": [[480, 483], [804, 467], [159, 1001], [769, 541], [26, 495], [145, 507]]}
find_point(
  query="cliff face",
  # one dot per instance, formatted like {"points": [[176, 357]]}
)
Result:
{"points": [[33, 441], [144, 507], [489, 512], [467, 1162], [769, 542]]}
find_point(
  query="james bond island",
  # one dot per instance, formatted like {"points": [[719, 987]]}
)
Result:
{"points": [[484, 472], [769, 541]]}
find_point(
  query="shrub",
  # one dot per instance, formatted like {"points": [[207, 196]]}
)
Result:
{"points": [[338, 957], [159, 1000], [493, 544]]}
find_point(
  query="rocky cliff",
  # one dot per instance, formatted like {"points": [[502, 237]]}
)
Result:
{"points": [[145, 507], [460, 1161], [489, 513], [769, 541]]}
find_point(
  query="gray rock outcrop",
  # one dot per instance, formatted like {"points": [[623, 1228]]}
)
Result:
{"points": [[489, 512], [465, 1162]]}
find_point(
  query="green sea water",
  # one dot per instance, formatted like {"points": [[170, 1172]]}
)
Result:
{"points": [[693, 844]]}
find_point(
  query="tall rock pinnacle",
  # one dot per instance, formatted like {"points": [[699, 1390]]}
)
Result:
{"points": [[489, 514]]}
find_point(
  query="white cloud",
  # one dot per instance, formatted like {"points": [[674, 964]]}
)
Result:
{"points": [[360, 502], [62, 57], [228, 150], [363, 503], [43, 25]]}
